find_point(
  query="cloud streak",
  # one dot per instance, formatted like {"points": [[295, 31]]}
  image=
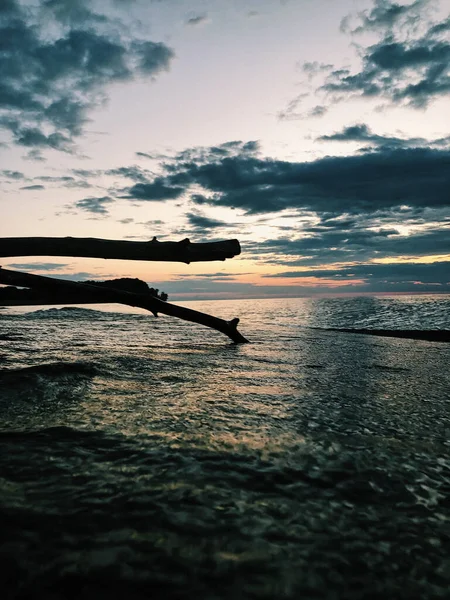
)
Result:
{"points": [[96, 206], [362, 133], [437, 272], [197, 20], [353, 241]]}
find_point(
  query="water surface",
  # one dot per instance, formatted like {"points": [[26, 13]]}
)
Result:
{"points": [[151, 456]]}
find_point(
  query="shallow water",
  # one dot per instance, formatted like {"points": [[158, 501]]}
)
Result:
{"points": [[143, 455]]}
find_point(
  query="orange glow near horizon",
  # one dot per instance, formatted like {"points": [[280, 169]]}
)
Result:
{"points": [[252, 273]]}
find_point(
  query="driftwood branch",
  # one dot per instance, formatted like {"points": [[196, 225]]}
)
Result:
{"points": [[183, 251], [56, 289]]}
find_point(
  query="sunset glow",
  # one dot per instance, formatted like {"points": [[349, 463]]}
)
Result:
{"points": [[314, 132]]}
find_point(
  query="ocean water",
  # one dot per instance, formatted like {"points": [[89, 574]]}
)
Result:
{"points": [[144, 457]]}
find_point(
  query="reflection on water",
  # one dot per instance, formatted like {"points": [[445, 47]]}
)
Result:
{"points": [[158, 374], [151, 457]]}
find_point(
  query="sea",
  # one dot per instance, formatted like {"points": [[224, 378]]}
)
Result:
{"points": [[145, 457]]}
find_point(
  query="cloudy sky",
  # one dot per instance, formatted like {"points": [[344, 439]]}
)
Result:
{"points": [[317, 132]]}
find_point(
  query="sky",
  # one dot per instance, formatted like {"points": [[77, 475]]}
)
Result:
{"points": [[316, 132]]}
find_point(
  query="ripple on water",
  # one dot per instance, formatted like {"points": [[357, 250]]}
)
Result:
{"points": [[89, 511], [139, 457]]}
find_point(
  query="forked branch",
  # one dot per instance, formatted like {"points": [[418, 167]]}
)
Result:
{"points": [[56, 289]]}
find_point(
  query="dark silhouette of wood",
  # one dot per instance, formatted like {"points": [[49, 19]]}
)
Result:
{"points": [[183, 251], [13, 296], [56, 289], [129, 284]]}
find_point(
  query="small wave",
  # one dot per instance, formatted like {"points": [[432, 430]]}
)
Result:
{"points": [[9, 337], [389, 368], [66, 312], [430, 335], [55, 369]]}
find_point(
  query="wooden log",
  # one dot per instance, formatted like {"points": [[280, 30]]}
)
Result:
{"points": [[184, 251], [57, 288], [14, 296]]}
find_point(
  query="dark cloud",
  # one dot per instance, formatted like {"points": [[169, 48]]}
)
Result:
{"points": [[17, 175], [34, 138], [152, 222], [439, 28], [152, 156], [201, 222], [38, 266], [413, 72], [85, 276], [197, 20], [53, 179], [72, 12], [294, 111], [437, 273], [362, 133], [345, 184], [65, 181], [77, 184], [408, 65], [313, 68], [135, 173], [386, 15], [155, 191], [88, 173], [337, 209], [35, 155], [57, 59], [173, 185], [317, 111], [205, 288], [33, 187], [8, 7], [153, 57], [94, 205], [352, 242], [199, 199], [235, 148]]}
